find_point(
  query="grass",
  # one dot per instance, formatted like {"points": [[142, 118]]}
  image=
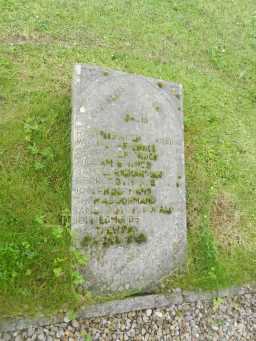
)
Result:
{"points": [[207, 46]]}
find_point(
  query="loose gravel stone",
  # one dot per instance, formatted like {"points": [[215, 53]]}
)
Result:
{"points": [[18, 338], [75, 324], [232, 318], [148, 312]]}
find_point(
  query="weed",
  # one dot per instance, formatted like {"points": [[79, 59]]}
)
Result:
{"points": [[217, 301], [34, 132]]}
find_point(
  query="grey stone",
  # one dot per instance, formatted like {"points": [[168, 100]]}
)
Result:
{"points": [[158, 314], [75, 324], [128, 180], [30, 331], [129, 304], [66, 319], [41, 337], [131, 333], [148, 312], [6, 337], [18, 338], [193, 296]]}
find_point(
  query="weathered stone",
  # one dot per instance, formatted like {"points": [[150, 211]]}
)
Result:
{"points": [[6, 337], [148, 312], [75, 324], [66, 319], [158, 314], [128, 186], [236, 322]]}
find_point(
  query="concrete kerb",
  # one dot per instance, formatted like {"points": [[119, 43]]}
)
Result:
{"points": [[126, 305]]}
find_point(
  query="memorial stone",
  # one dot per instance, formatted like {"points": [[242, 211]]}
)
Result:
{"points": [[128, 183]]}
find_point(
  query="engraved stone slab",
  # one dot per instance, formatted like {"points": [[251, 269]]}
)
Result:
{"points": [[128, 183]]}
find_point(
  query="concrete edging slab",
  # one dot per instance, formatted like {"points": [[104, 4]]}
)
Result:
{"points": [[126, 305]]}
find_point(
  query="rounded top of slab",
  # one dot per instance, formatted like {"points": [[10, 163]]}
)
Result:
{"points": [[126, 98], [122, 122]]}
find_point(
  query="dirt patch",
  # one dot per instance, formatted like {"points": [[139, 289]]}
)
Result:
{"points": [[225, 220], [193, 215], [38, 39]]}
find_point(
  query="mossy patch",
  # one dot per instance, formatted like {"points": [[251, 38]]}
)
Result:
{"points": [[118, 234]]}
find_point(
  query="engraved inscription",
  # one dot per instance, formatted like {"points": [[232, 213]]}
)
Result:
{"points": [[128, 190], [128, 178]]}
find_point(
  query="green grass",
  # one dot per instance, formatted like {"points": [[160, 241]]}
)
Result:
{"points": [[209, 47]]}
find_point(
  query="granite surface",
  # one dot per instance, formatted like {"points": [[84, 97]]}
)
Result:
{"points": [[128, 183]]}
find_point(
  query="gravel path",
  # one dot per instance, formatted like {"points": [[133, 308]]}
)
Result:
{"points": [[232, 318]]}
